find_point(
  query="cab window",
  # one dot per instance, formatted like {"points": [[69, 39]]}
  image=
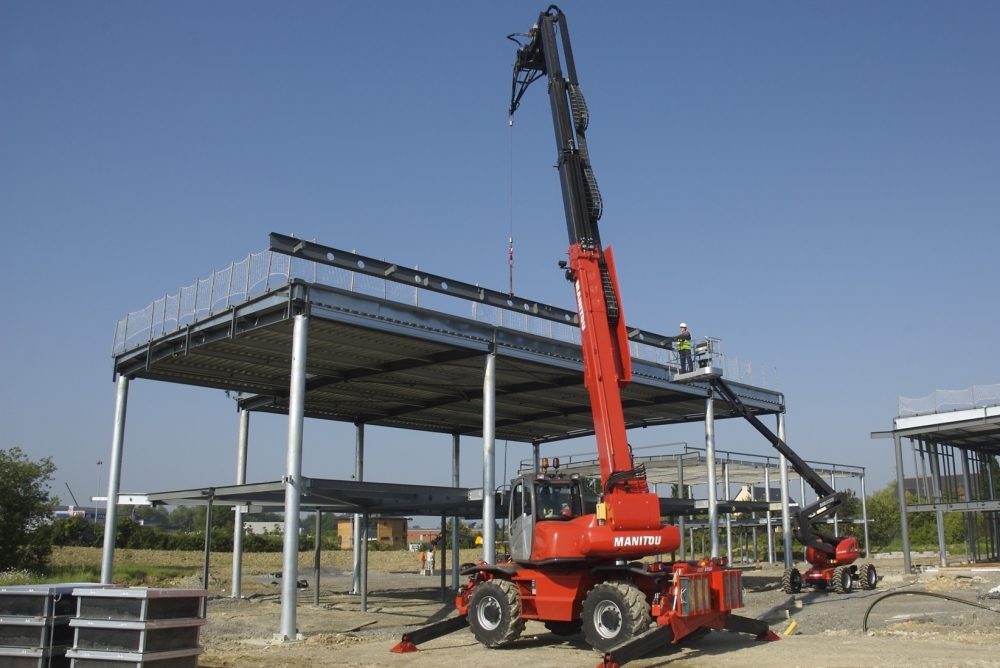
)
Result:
{"points": [[558, 502]]}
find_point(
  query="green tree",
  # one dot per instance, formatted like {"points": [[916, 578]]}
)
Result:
{"points": [[25, 510], [883, 517]]}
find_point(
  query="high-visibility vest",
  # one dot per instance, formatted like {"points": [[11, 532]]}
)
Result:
{"points": [[683, 344]]}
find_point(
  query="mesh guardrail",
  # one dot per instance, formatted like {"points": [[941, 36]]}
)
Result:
{"points": [[261, 272], [941, 401]]}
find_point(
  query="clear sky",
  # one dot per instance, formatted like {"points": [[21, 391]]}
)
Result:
{"points": [[817, 184]]}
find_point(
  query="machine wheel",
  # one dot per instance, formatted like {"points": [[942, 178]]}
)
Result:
{"points": [[843, 582], [565, 628], [868, 576], [614, 612], [495, 613], [791, 581]]}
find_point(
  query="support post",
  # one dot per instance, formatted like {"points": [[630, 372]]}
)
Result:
{"points": [[729, 516], [935, 458], [836, 516], [241, 479], [364, 561], [536, 456], [317, 556], [489, 460], [907, 565], [455, 441], [680, 493], [713, 500], [786, 517], [864, 515], [208, 549], [114, 481], [208, 538], [770, 528], [444, 554], [970, 525], [293, 479], [359, 476]]}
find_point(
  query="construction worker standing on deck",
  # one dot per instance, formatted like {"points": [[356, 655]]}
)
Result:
{"points": [[683, 348]]}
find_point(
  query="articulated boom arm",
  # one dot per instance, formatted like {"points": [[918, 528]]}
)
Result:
{"points": [[828, 499], [607, 361]]}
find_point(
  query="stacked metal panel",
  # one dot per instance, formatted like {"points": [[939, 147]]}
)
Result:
{"points": [[35, 627], [137, 628]]}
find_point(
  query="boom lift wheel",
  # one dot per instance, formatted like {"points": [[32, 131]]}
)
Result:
{"points": [[791, 581], [843, 582], [868, 576], [614, 612], [495, 613]]}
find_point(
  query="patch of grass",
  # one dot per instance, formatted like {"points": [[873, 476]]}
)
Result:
{"points": [[130, 574]]}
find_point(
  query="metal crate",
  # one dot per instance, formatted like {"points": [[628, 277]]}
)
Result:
{"points": [[181, 658], [140, 604], [22, 657], [36, 632], [55, 600], [121, 636]]}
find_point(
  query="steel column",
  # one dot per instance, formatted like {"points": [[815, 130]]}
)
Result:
{"points": [[208, 539], [836, 516], [770, 528], [729, 516], [864, 515], [970, 524], [680, 494], [241, 479], [907, 565], [786, 517], [317, 556], [364, 562], [444, 554], [489, 460], [114, 481], [455, 442], [359, 475], [293, 478], [536, 456], [713, 500], [934, 456]]}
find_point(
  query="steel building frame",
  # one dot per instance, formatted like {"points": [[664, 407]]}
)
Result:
{"points": [[306, 349]]}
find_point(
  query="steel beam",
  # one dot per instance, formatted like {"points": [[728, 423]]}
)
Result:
{"points": [[114, 481]]}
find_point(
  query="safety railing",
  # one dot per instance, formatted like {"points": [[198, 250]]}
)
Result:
{"points": [[940, 401], [261, 272]]}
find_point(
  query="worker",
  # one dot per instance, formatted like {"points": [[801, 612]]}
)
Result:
{"points": [[423, 565], [546, 503], [683, 348]]}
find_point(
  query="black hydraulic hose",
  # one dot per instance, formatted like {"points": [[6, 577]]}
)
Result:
{"points": [[864, 622]]}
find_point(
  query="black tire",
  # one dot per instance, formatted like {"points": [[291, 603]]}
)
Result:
{"points": [[868, 576], [843, 581], [791, 581], [495, 613], [614, 612], [565, 628]]}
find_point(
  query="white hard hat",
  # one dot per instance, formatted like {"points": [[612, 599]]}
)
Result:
{"points": [[684, 325]]}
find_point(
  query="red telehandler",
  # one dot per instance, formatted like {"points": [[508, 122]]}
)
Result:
{"points": [[569, 569]]}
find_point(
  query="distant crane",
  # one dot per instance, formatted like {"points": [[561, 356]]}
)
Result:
{"points": [[71, 495]]}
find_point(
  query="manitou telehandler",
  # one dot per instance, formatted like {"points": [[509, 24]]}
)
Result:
{"points": [[569, 569]]}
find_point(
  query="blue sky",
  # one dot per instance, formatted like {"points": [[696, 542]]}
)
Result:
{"points": [[814, 183]]}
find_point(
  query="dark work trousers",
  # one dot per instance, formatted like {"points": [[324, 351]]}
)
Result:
{"points": [[686, 365]]}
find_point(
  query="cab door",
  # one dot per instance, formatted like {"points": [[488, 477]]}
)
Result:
{"points": [[522, 521]]}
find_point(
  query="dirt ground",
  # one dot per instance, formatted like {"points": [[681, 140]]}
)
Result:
{"points": [[903, 631]]}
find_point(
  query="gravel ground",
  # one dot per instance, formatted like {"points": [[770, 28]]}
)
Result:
{"points": [[903, 631]]}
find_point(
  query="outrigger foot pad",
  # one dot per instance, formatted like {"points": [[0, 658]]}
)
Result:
{"points": [[769, 636], [418, 636]]}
